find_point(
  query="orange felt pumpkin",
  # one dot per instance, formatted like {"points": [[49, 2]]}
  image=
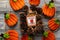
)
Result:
{"points": [[11, 19], [49, 9], [13, 35], [17, 4], [50, 36], [53, 24], [34, 2]]}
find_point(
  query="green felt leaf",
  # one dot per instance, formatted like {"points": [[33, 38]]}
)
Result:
{"points": [[51, 4], [7, 16], [45, 34], [6, 35], [57, 21]]}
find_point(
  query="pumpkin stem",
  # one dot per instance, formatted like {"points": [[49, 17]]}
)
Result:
{"points": [[51, 4], [45, 34], [7, 16], [52, 0], [57, 21], [14, 0]]}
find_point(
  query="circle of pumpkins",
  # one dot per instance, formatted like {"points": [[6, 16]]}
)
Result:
{"points": [[47, 10]]}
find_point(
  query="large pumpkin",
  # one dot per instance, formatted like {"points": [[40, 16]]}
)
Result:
{"points": [[13, 35], [53, 24], [34, 2], [17, 4], [48, 35], [49, 9], [11, 19]]}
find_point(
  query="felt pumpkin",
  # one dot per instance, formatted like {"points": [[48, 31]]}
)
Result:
{"points": [[17, 4], [26, 37], [34, 2], [53, 24], [49, 9], [13, 35], [11, 19], [48, 35]]}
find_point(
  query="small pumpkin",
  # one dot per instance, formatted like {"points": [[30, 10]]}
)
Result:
{"points": [[17, 4], [48, 35], [34, 2], [49, 9], [53, 24], [13, 35], [11, 19]]}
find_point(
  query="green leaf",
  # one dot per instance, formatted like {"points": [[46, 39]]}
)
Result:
{"points": [[45, 34], [6, 35], [57, 21], [7, 16], [51, 4]]}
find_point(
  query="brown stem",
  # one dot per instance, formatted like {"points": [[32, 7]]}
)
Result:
{"points": [[52, 0]]}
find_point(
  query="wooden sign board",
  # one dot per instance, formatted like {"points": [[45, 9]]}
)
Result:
{"points": [[31, 19]]}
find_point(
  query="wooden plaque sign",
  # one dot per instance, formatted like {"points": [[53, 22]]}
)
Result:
{"points": [[31, 19]]}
